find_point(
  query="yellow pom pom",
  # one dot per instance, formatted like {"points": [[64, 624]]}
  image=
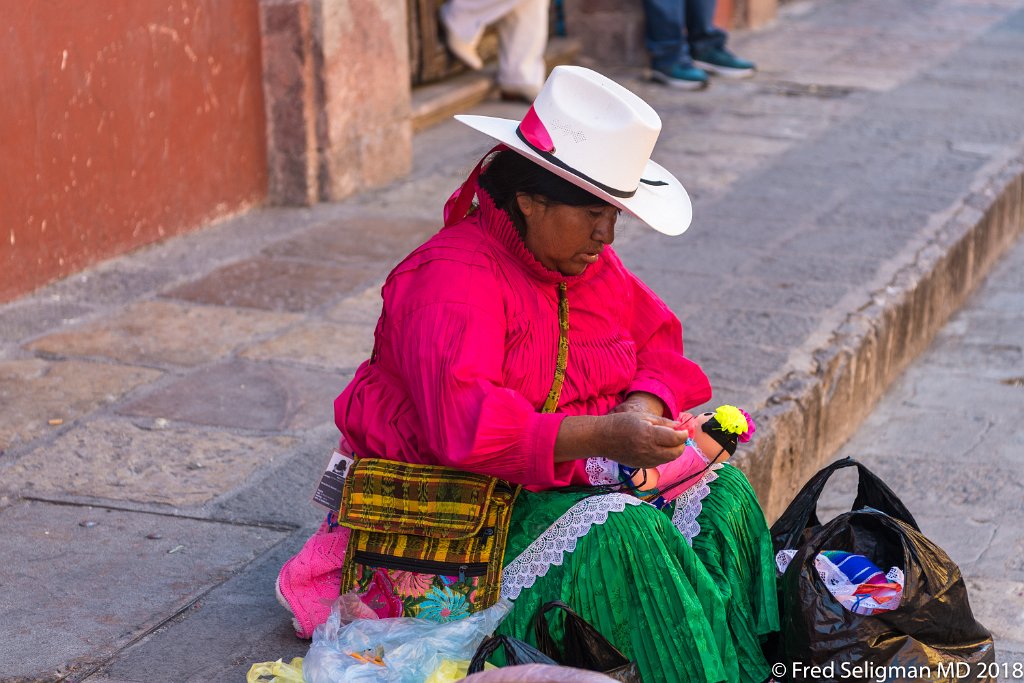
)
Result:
{"points": [[731, 420]]}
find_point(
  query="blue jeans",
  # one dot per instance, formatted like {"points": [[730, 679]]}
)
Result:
{"points": [[664, 26]]}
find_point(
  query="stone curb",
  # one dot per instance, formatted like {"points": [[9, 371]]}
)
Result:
{"points": [[808, 415]]}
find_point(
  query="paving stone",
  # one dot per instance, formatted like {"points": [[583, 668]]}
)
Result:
{"points": [[28, 318], [670, 261], [1004, 557], [121, 461], [328, 345], [1010, 653], [738, 365], [783, 292], [814, 268], [1001, 602], [1002, 301], [744, 396], [714, 143], [98, 588], [361, 241], [274, 284], [985, 490], [767, 329], [1004, 442], [166, 332], [60, 391], [118, 282], [935, 391], [363, 308], [892, 429], [964, 539], [990, 360], [234, 626], [246, 395], [869, 239], [984, 326], [281, 492]]}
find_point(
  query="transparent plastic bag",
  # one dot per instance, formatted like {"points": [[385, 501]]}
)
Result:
{"points": [[452, 670], [409, 650], [276, 672]]}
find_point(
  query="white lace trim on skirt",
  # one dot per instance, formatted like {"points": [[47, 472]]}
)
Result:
{"points": [[550, 547], [688, 506]]}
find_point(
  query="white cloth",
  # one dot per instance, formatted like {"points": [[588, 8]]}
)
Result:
{"points": [[522, 36]]}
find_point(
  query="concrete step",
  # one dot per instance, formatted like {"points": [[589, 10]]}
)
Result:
{"points": [[437, 102]]}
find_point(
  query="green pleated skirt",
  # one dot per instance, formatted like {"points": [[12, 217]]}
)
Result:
{"points": [[683, 613]]}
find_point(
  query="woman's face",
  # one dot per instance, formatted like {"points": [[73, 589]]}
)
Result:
{"points": [[566, 239]]}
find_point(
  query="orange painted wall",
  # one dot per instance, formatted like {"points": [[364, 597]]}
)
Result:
{"points": [[724, 11], [122, 122]]}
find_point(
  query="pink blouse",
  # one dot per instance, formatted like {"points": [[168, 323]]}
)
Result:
{"points": [[465, 349]]}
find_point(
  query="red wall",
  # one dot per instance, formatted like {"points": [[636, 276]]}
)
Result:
{"points": [[724, 13], [122, 122]]}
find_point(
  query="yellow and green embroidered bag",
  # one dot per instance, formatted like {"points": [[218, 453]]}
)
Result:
{"points": [[436, 534]]}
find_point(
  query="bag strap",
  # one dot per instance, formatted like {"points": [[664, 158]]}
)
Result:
{"points": [[551, 404], [542, 633], [516, 652], [585, 646], [802, 513]]}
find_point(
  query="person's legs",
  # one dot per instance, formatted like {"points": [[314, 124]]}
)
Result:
{"points": [[311, 580], [707, 43], [663, 33], [663, 37], [701, 34], [465, 20], [522, 39]]}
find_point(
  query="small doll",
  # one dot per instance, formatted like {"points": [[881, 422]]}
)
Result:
{"points": [[712, 439]]}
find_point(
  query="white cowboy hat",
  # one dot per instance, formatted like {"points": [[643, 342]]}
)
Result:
{"points": [[591, 131]]}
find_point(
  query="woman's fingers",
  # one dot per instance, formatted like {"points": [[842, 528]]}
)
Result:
{"points": [[659, 420], [644, 440], [667, 437]]}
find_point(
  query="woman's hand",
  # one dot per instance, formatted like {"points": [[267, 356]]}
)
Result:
{"points": [[642, 440], [631, 438], [641, 402]]}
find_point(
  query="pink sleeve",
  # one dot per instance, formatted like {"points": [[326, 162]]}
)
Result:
{"points": [[662, 369], [451, 356]]}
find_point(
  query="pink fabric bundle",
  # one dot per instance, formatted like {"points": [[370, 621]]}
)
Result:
{"points": [[683, 471]]}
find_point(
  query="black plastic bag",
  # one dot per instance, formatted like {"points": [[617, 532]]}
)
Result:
{"points": [[931, 636], [516, 652], [584, 647]]}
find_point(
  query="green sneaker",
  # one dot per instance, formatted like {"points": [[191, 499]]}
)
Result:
{"points": [[721, 62], [680, 76]]}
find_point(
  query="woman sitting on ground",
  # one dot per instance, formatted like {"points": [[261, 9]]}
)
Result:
{"points": [[465, 353]]}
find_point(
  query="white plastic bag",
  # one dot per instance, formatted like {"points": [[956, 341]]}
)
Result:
{"points": [[409, 649]]}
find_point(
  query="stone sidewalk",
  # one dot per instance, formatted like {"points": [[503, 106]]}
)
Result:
{"points": [[949, 440], [163, 416]]}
